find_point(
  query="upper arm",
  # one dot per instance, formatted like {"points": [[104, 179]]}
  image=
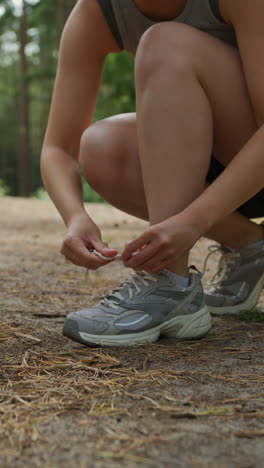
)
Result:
{"points": [[247, 18], [85, 42]]}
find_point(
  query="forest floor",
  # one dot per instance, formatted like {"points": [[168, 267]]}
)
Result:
{"points": [[170, 404]]}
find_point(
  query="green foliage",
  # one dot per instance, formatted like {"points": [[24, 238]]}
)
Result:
{"points": [[90, 196], [4, 189], [255, 315], [117, 93], [41, 194]]}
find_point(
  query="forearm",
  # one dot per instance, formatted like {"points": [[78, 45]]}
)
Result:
{"points": [[63, 182], [240, 181]]}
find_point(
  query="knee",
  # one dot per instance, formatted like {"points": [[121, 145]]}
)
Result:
{"points": [[99, 157], [165, 48]]}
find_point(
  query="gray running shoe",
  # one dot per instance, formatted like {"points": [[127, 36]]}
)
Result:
{"points": [[144, 307], [238, 281]]}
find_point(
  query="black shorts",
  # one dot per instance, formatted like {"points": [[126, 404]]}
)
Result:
{"points": [[253, 208]]}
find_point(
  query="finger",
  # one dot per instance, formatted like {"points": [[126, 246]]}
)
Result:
{"points": [[103, 249], [107, 259], [70, 257], [97, 261], [159, 268], [151, 263], [75, 247], [143, 256], [136, 244], [81, 257]]}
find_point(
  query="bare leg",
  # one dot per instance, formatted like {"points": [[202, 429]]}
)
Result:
{"points": [[109, 150], [110, 161], [236, 231], [176, 126]]}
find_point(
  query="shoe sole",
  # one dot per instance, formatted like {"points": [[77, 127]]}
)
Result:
{"points": [[246, 306], [185, 327]]}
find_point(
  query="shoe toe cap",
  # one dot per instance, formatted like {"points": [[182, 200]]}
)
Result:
{"points": [[76, 324]]}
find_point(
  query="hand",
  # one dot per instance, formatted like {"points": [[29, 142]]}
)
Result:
{"points": [[83, 235], [161, 245]]}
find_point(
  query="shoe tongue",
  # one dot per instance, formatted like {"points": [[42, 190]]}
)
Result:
{"points": [[166, 274], [178, 280]]}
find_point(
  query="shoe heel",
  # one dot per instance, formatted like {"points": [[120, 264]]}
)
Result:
{"points": [[198, 327], [189, 327]]}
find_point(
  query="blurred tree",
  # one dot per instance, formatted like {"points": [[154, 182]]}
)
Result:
{"points": [[25, 158], [29, 40]]}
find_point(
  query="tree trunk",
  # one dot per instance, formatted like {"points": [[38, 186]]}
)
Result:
{"points": [[25, 169]]}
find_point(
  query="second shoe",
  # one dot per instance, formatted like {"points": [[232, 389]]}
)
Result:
{"points": [[144, 307]]}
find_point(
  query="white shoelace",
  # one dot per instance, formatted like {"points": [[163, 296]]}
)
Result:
{"points": [[117, 257], [224, 266], [134, 282]]}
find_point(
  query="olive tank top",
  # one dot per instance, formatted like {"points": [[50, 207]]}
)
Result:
{"points": [[128, 23]]}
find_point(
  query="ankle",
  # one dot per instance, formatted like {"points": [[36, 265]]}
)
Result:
{"points": [[179, 280], [250, 237], [180, 270], [248, 234]]}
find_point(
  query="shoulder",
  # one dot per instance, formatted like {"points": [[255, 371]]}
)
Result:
{"points": [[242, 12], [88, 18], [247, 19]]}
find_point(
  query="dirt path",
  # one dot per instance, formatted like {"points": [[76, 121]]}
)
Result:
{"points": [[188, 404]]}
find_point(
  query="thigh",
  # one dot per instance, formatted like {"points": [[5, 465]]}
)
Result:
{"points": [[221, 73], [181, 49], [233, 117], [110, 161]]}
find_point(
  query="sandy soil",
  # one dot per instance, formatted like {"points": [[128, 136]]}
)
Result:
{"points": [[171, 404]]}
